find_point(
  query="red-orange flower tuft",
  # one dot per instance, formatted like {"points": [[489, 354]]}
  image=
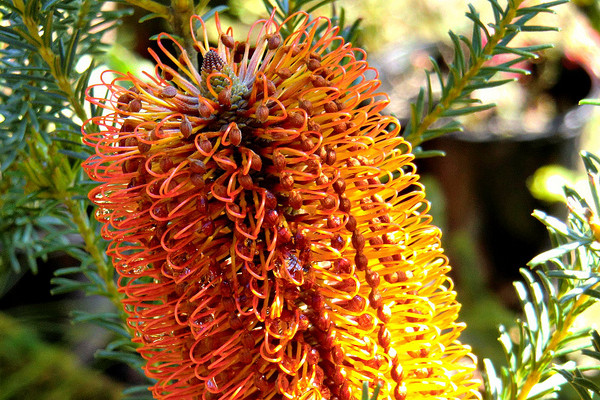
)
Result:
{"points": [[269, 229]]}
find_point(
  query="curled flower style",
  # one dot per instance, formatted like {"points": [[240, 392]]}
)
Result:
{"points": [[268, 226]]}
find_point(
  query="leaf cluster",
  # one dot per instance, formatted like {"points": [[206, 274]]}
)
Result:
{"points": [[561, 285], [48, 51], [477, 60], [42, 106]]}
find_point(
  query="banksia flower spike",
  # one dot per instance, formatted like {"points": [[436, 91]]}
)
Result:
{"points": [[269, 229]]}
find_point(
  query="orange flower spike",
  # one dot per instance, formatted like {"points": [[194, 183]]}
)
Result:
{"points": [[268, 226]]}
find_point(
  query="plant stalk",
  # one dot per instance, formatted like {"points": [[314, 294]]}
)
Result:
{"points": [[559, 335], [415, 138], [179, 18], [151, 6], [62, 172]]}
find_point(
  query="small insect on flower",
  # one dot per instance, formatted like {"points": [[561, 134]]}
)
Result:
{"points": [[268, 227]]}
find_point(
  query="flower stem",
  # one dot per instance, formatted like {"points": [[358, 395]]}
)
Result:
{"points": [[180, 14]]}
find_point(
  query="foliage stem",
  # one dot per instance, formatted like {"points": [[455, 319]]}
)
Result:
{"points": [[62, 168], [151, 6], [416, 136], [90, 240], [559, 335], [53, 61]]}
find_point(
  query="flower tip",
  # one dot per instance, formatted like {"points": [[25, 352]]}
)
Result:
{"points": [[212, 62]]}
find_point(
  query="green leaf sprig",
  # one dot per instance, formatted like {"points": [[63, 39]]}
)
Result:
{"points": [[563, 282], [475, 68]]}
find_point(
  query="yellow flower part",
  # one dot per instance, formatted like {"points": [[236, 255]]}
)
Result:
{"points": [[268, 225]]}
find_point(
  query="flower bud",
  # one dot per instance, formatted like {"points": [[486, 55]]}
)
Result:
{"points": [[168, 92], [274, 41], [227, 41]]}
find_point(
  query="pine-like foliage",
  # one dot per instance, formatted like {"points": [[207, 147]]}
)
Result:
{"points": [[475, 69], [41, 108], [48, 52], [561, 285]]}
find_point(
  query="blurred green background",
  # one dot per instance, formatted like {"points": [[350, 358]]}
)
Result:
{"points": [[508, 162]]}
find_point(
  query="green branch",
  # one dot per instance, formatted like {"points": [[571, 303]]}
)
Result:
{"points": [[558, 337], [50, 173], [62, 172], [45, 163], [91, 244], [152, 6], [563, 285], [474, 71], [52, 60]]}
